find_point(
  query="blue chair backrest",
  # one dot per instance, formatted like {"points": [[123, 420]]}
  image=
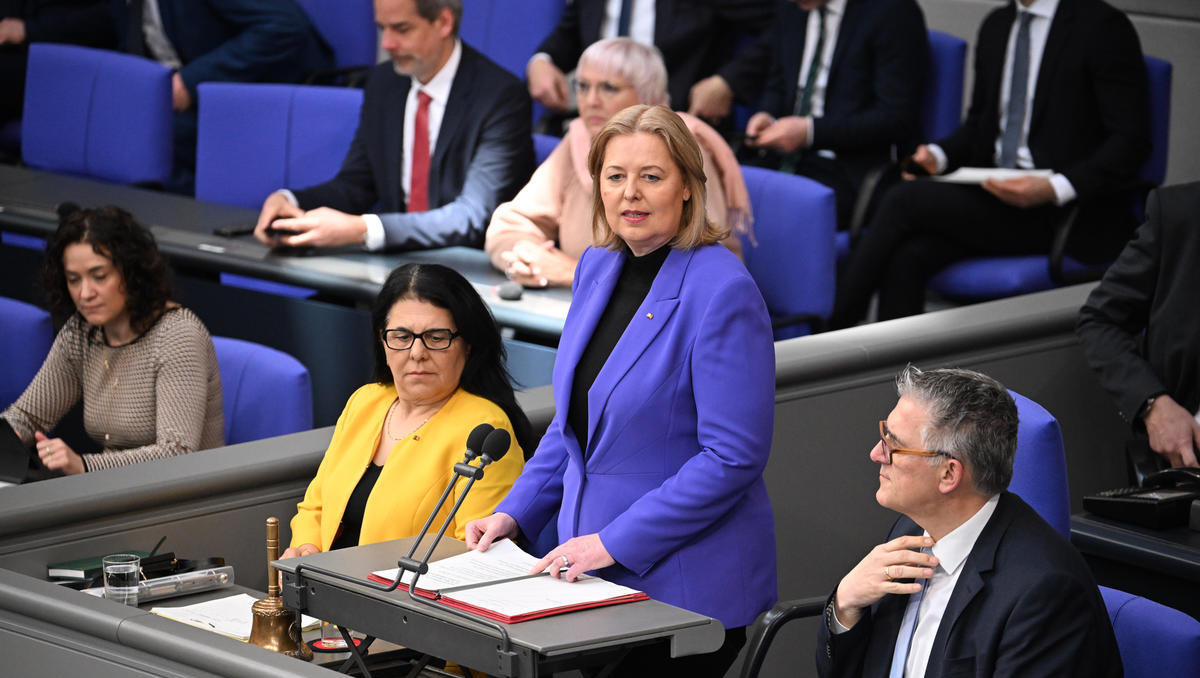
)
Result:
{"points": [[529, 365], [1155, 640], [794, 261], [256, 138], [1040, 468], [348, 27], [265, 392], [97, 113], [942, 110], [508, 32], [26, 334], [1158, 80], [543, 146]]}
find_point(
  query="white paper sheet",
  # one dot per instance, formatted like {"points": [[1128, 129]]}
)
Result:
{"points": [[230, 616], [504, 560], [977, 175]]}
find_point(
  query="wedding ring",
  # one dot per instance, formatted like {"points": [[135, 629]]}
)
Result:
{"points": [[566, 563], [887, 574]]}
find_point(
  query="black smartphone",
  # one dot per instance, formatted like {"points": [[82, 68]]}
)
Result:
{"points": [[914, 168], [234, 230], [275, 232]]}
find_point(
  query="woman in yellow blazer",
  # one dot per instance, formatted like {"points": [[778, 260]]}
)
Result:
{"points": [[440, 373]]}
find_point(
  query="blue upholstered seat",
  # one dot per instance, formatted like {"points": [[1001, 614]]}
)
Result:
{"points": [[543, 146], [24, 342], [1040, 468], [793, 262], [97, 113], [1155, 640], [265, 392]]}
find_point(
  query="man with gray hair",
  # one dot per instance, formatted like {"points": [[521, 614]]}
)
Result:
{"points": [[971, 580]]}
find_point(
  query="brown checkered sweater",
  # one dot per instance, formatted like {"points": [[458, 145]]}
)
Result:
{"points": [[155, 397]]}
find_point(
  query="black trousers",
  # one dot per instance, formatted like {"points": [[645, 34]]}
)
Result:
{"points": [[920, 228]]}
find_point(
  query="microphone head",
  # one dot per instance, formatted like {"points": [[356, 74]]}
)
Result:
{"points": [[476, 439], [496, 445]]}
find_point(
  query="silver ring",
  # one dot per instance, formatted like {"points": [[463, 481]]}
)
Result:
{"points": [[566, 563]]}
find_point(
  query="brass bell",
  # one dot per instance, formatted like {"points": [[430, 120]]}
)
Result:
{"points": [[276, 628]]}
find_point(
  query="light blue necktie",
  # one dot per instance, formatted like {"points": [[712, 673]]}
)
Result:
{"points": [[1017, 92], [908, 627]]}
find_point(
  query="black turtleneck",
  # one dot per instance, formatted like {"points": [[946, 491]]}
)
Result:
{"points": [[637, 275]]}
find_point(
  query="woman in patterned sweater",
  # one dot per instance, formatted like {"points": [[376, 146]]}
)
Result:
{"points": [[144, 366]]}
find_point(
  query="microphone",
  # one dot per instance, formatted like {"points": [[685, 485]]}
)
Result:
{"points": [[495, 446], [476, 440]]}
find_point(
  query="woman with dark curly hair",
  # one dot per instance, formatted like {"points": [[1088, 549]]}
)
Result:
{"points": [[144, 366]]}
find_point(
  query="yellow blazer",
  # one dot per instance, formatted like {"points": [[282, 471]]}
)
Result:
{"points": [[414, 475]]}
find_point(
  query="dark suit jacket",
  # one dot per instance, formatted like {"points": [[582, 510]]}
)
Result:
{"points": [[1139, 327], [1025, 605], [237, 40], [484, 155], [77, 22], [1090, 117], [697, 39], [876, 79]]}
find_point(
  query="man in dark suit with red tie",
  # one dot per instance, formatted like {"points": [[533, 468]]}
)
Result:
{"points": [[443, 138], [1060, 85], [971, 582]]}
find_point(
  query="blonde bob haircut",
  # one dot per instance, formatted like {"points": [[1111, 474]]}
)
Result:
{"points": [[695, 228]]}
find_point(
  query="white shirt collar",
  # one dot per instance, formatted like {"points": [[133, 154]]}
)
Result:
{"points": [[1040, 8], [952, 550], [837, 7], [438, 87]]}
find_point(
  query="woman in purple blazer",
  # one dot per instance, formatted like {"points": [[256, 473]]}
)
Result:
{"points": [[664, 392]]}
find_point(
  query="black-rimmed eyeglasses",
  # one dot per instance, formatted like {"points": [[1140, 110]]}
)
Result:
{"points": [[400, 339]]}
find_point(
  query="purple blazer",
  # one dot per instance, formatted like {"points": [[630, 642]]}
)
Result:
{"points": [[679, 426]]}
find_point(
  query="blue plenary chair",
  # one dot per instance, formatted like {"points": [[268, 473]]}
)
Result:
{"points": [[348, 27], [1040, 467], [509, 33], [793, 260], [941, 113], [543, 146], [1155, 640], [984, 278], [98, 114], [265, 392], [529, 365], [255, 138], [24, 342]]}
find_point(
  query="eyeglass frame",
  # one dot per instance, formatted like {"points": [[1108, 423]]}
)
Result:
{"points": [[889, 450], [607, 89], [419, 335]]}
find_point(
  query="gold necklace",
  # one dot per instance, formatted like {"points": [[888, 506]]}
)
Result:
{"points": [[387, 425]]}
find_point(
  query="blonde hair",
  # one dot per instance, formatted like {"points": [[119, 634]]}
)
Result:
{"points": [[642, 65], [695, 228]]}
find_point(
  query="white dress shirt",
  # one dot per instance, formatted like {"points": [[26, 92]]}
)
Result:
{"points": [[157, 43], [641, 20], [834, 11], [1039, 29], [951, 551]]}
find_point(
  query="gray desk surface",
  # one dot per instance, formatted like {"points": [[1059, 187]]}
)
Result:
{"points": [[1175, 551], [184, 229], [549, 637]]}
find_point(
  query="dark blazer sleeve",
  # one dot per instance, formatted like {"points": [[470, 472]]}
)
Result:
{"points": [[896, 50], [269, 41], [1116, 314], [77, 22], [1117, 75], [567, 41], [785, 39], [353, 189], [841, 655], [971, 142]]}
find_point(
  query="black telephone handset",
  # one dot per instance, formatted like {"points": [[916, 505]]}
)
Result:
{"points": [[1163, 501], [1184, 478]]}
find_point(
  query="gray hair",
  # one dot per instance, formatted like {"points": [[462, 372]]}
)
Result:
{"points": [[642, 65], [430, 9], [972, 418]]}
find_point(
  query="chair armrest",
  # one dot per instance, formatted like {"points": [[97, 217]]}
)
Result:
{"points": [[349, 76], [866, 197], [764, 630]]}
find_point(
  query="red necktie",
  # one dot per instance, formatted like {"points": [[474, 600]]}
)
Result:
{"points": [[418, 199]]}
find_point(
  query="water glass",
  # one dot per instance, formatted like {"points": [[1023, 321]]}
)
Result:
{"points": [[121, 574]]}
